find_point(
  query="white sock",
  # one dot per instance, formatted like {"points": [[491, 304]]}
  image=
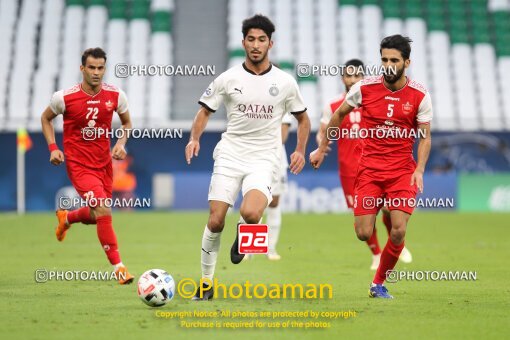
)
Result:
{"points": [[274, 221], [209, 252], [118, 265]]}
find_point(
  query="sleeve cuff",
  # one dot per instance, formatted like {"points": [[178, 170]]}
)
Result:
{"points": [[298, 112], [206, 106]]}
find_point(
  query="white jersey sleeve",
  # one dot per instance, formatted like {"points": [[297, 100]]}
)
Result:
{"points": [[294, 102], [57, 104], [326, 114], [213, 96], [353, 97], [122, 103], [287, 119], [424, 115]]}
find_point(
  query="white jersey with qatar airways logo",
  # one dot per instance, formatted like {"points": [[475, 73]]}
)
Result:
{"points": [[255, 106]]}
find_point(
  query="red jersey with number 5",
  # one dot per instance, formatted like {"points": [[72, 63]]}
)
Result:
{"points": [[392, 115], [86, 120], [348, 149]]}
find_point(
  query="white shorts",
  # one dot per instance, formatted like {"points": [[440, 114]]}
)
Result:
{"points": [[280, 179], [226, 183]]}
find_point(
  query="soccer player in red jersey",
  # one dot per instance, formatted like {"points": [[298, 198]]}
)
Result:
{"points": [[88, 108], [349, 153], [399, 109]]}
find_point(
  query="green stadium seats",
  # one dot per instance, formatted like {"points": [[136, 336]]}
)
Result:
{"points": [[161, 21]]}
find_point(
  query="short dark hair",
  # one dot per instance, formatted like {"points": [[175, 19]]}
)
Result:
{"points": [[258, 21], [398, 42], [97, 53], [356, 64]]}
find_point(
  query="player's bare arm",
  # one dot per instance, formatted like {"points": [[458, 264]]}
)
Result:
{"points": [[119, 150], [424, 146], [48, 115], [198, 127], [297, 159], [317, 156]]}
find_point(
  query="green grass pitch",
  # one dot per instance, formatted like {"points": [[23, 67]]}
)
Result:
{"points": [[314, 248]]}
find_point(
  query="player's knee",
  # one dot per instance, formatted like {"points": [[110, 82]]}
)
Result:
{"points": [[215, 223], [101, 211], [398, 233], [274, 203], [363, 234], [251, 216]]}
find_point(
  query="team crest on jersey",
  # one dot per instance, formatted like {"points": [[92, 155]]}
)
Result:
{"points": [[91, 123], [407, 108], [109, 105], [273, 90], [208, 91]]}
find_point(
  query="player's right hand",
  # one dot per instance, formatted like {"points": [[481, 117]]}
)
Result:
{"points": [[192, 150], [316, 158], [56, 157]]}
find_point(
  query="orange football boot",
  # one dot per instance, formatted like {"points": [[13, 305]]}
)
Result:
{"points": [[62, 227], [123, 276]]}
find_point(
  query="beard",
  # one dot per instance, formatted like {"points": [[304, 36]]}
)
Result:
{"points": [[262, 57], [393, 78]]}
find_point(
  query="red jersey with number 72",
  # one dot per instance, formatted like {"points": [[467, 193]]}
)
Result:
{"points": [[85, 116], [348, 149], [390, 120]]}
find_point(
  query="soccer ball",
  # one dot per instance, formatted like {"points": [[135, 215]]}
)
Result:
{"points": [[156, 287]]}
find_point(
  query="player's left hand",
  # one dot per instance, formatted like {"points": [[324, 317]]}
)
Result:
{"points": [[297, 162], [119, 152], [417, 179]]}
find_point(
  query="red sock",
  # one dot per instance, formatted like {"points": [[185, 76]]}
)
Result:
{"points": [[373, 244], [108, 239], [389, 258], [80, 215], [387, 222]]}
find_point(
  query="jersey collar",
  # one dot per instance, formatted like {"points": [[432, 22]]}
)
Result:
{"points": [[400, 89], [260, 74], [91, 95]]}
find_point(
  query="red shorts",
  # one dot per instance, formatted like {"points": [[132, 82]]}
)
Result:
{"points": [[85, 180], [348, 188], [374, 190]]}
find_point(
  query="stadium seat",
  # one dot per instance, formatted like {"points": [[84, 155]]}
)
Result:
{"points": [[161, 54], [371, 19], [504, 82], [349, 32], [441, 87], [95, 19], [499, 5], [488, 95], [464, 82], [24, 54], [328, 86], [8, 11], [283, 48], [418, 70], [71, 46], [393, 26], [138, 47]]}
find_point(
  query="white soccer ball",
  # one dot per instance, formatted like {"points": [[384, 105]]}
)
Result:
{"points": [[156, 287]]}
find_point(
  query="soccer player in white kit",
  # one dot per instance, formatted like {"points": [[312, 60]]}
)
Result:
{"points": [[256, 96]]}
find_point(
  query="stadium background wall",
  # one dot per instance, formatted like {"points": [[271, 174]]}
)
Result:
{"points": [[162, 175]]}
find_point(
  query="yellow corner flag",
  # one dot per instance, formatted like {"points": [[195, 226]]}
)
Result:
{"points": [[23, 141]]}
